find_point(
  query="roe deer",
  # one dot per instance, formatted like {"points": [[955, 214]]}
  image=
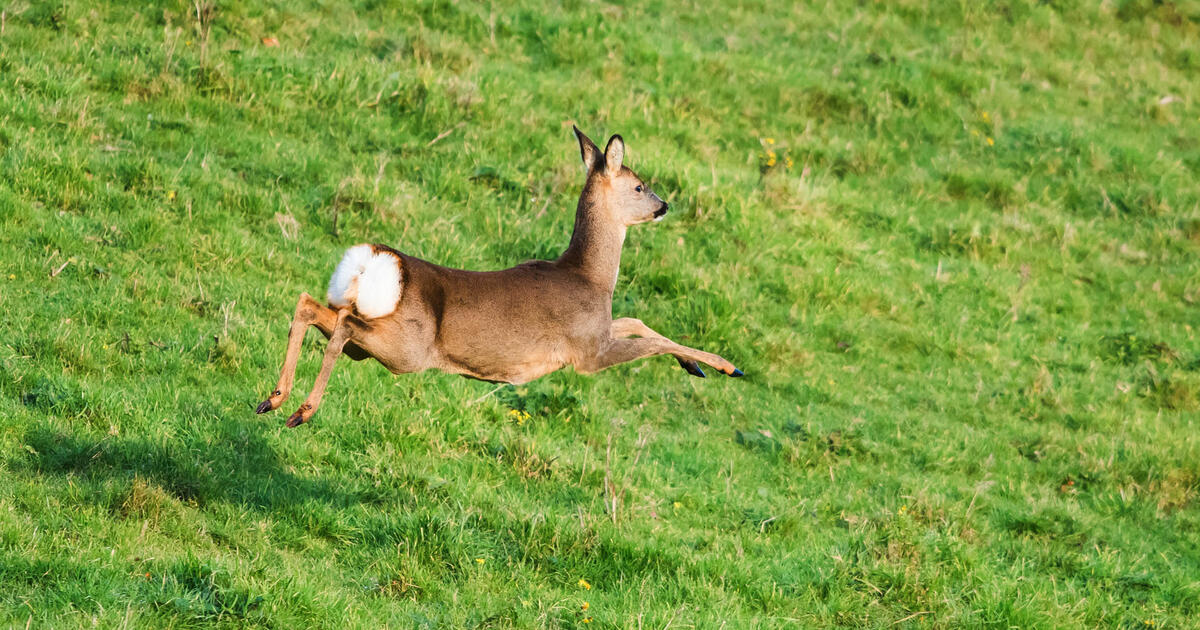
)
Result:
{"points": [[509, 326]]}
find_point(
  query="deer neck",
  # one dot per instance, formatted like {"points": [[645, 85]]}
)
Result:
{"points": [[596, 243]]}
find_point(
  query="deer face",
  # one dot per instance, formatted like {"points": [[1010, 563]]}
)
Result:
{"points": [[627, 198], [632, 199]]}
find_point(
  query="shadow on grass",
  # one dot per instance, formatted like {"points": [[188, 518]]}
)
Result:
{"points": [[230, 461]]}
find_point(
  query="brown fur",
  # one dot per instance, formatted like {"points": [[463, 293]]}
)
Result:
{"points": [[513, 325]]}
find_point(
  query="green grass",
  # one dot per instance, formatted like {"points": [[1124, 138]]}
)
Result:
{"points": [[967, 312]]}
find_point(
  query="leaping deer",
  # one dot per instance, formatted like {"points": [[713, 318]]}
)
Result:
{"points": [[509, 326]]}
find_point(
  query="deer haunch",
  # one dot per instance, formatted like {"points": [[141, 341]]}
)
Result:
{"points": [[368, 280]]}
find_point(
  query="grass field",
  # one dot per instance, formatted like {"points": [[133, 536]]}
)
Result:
{"points": [[954, 246]]}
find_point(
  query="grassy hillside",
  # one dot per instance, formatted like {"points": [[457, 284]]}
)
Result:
{"points": [[954, 246]]}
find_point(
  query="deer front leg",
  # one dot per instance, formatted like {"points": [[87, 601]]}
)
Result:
{"points": [[630, 327], [308, 312], [624, 350], [341, 334]]}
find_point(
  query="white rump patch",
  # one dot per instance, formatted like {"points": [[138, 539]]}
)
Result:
{"points": [[367, 281]]}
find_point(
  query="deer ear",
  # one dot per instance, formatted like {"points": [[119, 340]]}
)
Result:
{"points": [[614, 155], [592, 159]]}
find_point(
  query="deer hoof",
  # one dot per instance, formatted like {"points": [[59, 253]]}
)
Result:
{"points": [[295, 420], [691, 367], [264, 407], [737, 373]]}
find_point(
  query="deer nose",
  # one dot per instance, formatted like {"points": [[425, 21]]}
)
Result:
{"points": [[662, 210]]}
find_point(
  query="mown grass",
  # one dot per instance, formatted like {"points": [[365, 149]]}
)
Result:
{"points": [[964, 291]]}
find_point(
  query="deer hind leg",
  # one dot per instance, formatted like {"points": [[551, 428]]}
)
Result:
{"points": [[624, 350], [309, 312], [631, 327], [341, 334]]}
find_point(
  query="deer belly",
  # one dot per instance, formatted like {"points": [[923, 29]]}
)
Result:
{"points": [[508, 364]]}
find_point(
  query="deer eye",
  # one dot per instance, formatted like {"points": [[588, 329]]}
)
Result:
{"points": [[639, 188]]}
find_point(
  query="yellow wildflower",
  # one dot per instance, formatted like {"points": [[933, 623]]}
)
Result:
{"points": [[770, 140], [584, 584], [984, 116], [677, 505], [587, 620], [479, 560], [584, 606], [990, 141]]}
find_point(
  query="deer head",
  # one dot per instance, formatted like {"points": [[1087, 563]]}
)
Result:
{"points": [[617, 193]]}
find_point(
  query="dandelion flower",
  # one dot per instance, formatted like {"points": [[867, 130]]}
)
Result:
{"points": [[519, 416], [584, 584], [587, 620], [479, 560], [990, 141], [770, 140], [584, 606]]}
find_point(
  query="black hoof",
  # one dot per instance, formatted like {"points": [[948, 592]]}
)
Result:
{"points": [[263, 407], [737, 373], [295, 420], [691, 367]]}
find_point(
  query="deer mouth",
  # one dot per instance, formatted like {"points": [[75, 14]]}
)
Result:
{"points": [[661, 212]]}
